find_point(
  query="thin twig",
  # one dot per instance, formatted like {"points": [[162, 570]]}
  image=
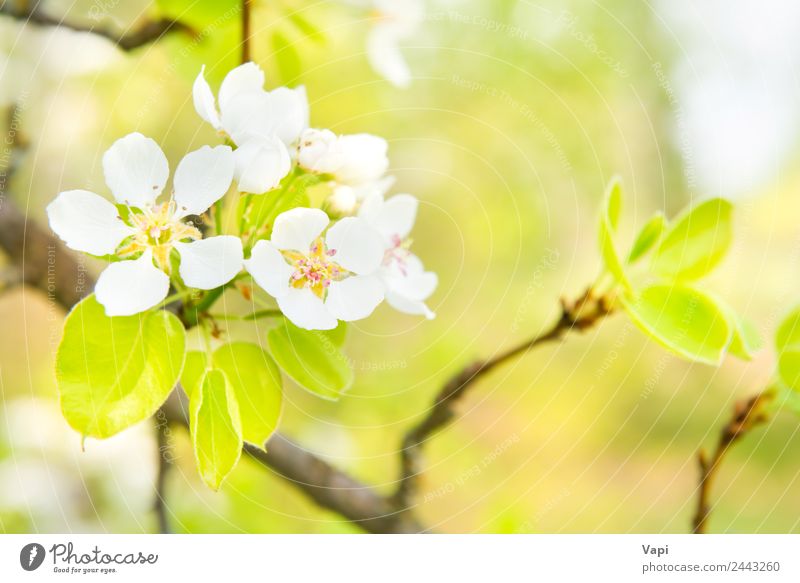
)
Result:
{"points": [[164, 465], [247, 6], [147, 32], [581, 314], [747, 414]]}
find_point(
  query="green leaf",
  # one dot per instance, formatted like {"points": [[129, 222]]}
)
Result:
{"points": [[338, 335], [648, 236], [257, 385], [789, 368], [683, 320], [115, 372], [216, 428], [194, 368], [746, 340], [311, 359], [787, 344], [697, 241], [788, 333], [608, 225]]}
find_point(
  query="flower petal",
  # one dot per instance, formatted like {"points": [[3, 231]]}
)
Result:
{"points": [[129, 287], [248, 115], [364, 159], [136, 170], [306, 310], [359, 248], [290, 111], [407, 306], [202, 178], [209, 263], [409, 279], [297, 228], [354, 298], [319, 151], [393, 218], [247, 78], [204, 102], [385, 57], [87, 222], [269, 269], [261, 164]]}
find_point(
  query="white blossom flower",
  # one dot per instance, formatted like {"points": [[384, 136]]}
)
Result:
{"points": [[261, 123], [354, 160], [407, 283], [319, 279], [136, 172], [344, 199], [394, 22]]}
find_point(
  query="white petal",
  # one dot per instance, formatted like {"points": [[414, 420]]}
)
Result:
{"points": [[261, 164], [378, 188], [211, 262], [354, 298], [290, 111], [249, 115], [306, 310], [407, 306], [202, 178], [407, 277], [204, 102], [359, 248], [87, 222], [136, 170], [319, 151], [296, 229], [364, 159], [269, 269], [385, 57], [247, 78], [130, 287], [392, 218]]}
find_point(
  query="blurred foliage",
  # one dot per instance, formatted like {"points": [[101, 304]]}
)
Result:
{"points": [[518, 116]]}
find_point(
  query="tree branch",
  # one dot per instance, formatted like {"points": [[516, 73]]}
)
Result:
{"points": [[147, 32], [747, 414], [247, 6], [581, 314]]}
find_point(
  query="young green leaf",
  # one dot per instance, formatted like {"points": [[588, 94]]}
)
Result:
{"points": [[114, 372], [609, 219], [683, 320], [647, 237], [311, 359], [746, 340], [789, 368], [697, 241], [256, 383], [194, 368], [216, 428], [338, 335], [787, 344]]}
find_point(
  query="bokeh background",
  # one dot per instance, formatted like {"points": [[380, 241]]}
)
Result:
{"points": [[519, 113]]}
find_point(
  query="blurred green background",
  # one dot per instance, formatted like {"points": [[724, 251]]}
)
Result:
{"points": [[518, 115]]}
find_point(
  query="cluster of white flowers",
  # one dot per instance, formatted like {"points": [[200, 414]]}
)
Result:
{"points": [[317, 272]]}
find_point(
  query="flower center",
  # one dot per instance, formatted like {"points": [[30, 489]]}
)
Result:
{"points": [[315, 270], [397, 254], [157, 229]]}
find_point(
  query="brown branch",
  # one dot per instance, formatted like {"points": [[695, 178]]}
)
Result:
{"points": [[247, 6], [747, 414], [581, 315], [147, 32]]}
